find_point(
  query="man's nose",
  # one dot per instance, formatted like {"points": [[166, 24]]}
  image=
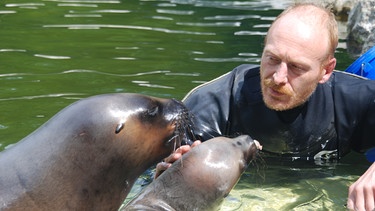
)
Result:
{"points": [[281, 74]]}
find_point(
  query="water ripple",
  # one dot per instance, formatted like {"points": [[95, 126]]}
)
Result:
{"points": [[232, 17], [7, 11], [87, 1], [86, 71], [264, 18], [263, 5], [51, 56], [127, 48], [248, 54], [77, 5], [250, 33], [162, 18], [175, 12], [41, 96], [124, 58], [266, 26], [25, 5], [12, 50], [148, 84], [12, 75], [111, 11], [113, 74], [234, 59], [215, 41], [215, 24], [99, 26], [167, 5], [83, 16], [184, 74]]}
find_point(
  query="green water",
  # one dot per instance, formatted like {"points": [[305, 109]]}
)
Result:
{"points": [[53, 53]]}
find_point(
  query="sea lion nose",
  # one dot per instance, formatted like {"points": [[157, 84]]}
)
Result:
{"points": [[185, 123]]}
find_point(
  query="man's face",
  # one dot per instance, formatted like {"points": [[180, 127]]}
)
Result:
{"points": [[292, 62]]}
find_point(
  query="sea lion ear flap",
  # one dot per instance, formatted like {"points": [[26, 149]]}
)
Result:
{"points": [[119, 127]]}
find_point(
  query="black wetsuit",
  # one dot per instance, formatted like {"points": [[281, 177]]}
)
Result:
{"points": [[338, 117]]}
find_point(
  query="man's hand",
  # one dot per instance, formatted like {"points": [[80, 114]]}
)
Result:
{"points": [[362, 192], [162, 166]]}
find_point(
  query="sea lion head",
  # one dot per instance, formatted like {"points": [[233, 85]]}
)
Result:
{"points": [[152, 126]]}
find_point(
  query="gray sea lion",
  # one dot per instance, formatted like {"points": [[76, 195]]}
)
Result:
{"points": [[201, 178], [88, 156]]}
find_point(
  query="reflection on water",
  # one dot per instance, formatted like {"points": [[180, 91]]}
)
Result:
{"points": [[278, 186], [54, 52]]}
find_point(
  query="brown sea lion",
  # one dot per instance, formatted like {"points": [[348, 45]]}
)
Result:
{"points": [[88, 156], [201, 178]]}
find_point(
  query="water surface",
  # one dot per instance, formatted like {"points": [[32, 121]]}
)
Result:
{"points": [[55, 52]]}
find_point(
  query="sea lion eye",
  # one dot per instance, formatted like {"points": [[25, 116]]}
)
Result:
{"points": [[153, 111], [119, 127]]}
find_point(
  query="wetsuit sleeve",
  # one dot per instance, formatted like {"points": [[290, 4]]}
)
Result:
{"points": [[355, 112], [209, 105]]}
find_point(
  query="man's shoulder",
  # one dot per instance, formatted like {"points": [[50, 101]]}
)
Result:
{"points": [[227, 81], [246, 75], [247, 69], [342, 75], [345, 80], [352, 91]]}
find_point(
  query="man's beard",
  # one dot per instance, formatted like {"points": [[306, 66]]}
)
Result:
{"points": [[295, 98]]}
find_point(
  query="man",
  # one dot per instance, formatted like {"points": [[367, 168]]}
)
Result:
{"points": [[295, 104]]}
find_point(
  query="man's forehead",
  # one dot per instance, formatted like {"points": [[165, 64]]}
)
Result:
{"points": [[294, 29]]}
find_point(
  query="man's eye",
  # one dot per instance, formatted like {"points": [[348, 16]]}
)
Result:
{"points": [[273, 60], [296, 69]]}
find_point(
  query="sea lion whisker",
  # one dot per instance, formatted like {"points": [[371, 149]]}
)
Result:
{"points": [[172, 138], [175, 144], [260, 165], [185, 128]]}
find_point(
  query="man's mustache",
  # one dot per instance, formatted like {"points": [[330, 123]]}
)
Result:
{"points": [[278, 88]]}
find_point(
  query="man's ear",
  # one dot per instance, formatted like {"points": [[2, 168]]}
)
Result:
{"points": [[328, 69]]}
